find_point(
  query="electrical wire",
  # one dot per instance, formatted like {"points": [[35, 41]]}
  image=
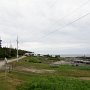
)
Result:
{"points": [[83, 4], [65, 26]]}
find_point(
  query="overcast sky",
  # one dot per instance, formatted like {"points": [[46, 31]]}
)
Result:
{"points": [[43, 26]]}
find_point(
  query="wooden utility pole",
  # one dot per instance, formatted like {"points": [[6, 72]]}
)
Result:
{"points": [[17, 48], [0, 42], [5, 60]]}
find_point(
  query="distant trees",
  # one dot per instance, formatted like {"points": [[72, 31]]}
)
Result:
{"points": [[10, 52]]}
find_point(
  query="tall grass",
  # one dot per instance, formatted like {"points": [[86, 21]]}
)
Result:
{"points": [[55, 83]]}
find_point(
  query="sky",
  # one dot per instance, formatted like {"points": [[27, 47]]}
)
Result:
{"points": [[46, 26]]}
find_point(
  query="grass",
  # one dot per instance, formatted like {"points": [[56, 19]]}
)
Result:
{"points": [[30, 81], [62, 70], [50, 82], [65, 77], [54, 83]]}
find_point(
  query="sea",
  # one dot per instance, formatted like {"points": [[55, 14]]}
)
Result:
{"points": [[75, 55]]}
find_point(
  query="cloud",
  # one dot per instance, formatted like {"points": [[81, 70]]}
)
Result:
{"points": [[34, 20]]}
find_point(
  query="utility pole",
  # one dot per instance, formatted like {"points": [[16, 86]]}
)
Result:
{"points": [[0, 42], [17, 48], [5, 60]]}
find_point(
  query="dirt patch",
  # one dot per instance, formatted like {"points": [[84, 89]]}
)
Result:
{"points": [[84, 78], [37, 70], [61, 63]]}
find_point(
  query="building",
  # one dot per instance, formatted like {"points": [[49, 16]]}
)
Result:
{"points": [[29, 54]]}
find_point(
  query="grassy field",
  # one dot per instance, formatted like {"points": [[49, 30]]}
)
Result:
{"points": [[35, 73]]}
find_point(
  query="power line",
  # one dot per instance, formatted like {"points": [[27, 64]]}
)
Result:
{"points": [[65, 25], [81, 5]]}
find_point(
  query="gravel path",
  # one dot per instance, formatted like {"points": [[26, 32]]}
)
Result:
{"points": [[8, 61]]}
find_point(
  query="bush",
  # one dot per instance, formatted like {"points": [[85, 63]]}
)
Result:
{"points": [[34, 60]]}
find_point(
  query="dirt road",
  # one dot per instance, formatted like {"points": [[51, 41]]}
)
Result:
{"points": [[3, 62]]}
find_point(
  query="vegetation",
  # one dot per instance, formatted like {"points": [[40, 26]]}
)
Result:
{"points": [[45, 77], [10, 52], [54, 83], [42, 59]]}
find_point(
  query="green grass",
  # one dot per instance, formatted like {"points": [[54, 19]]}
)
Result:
{"points": [[30, 81], [65, 77], [62, 70], [38, 59], [44, 82]]}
